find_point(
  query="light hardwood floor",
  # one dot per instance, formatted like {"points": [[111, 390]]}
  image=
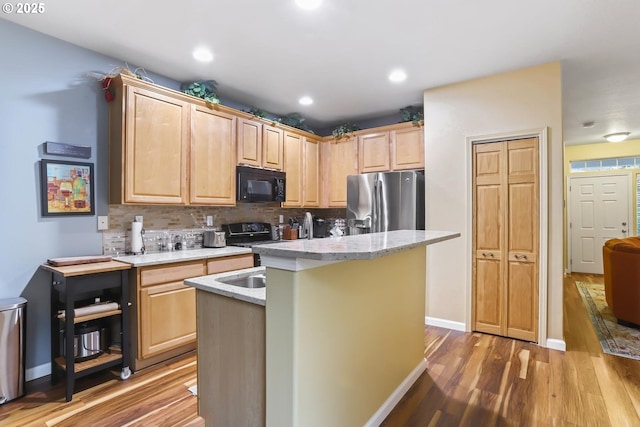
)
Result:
{"points": [[484, 380], [472, 379]]}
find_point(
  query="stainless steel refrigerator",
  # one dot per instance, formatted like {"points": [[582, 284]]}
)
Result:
{"points": [[385, 201]]}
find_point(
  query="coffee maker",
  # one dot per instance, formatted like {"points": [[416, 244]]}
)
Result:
{"points": [[319, 228]]}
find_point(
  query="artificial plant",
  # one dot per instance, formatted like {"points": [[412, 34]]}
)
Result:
{"points": [[204, 89], [345, 130], [412, 114], [295, 120]]}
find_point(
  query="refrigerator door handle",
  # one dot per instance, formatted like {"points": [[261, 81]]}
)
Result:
{"points": [[377, 207], [374, 210]]}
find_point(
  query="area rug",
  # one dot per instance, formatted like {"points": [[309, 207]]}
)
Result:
{"points": [[614, 338]]}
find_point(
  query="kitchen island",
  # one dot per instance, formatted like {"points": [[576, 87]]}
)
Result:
{"points": [[343, 326]]}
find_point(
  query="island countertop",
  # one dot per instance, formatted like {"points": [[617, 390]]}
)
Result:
{"points": [[356, 247], [211, 283]]}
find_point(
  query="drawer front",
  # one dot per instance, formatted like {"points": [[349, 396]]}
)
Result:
{"points": [[167, 318], [171, 273], [237, 262]]}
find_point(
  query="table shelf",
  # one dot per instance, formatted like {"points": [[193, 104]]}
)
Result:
{"points": [[103, 359], [92, 316]]}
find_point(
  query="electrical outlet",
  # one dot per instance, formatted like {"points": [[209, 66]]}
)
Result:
{"points": [[138, 218], [103, 222]]}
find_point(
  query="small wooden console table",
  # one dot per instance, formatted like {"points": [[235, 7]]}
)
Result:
{"points": [[72, 286]]}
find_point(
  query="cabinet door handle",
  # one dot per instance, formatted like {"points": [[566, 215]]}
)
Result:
{"points": [[485, 254], [520, 256]]}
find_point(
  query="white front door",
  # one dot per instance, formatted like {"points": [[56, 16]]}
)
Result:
{"points": [[598, 211]]}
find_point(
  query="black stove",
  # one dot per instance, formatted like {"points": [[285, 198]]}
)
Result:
{"points": [[247, 235]]}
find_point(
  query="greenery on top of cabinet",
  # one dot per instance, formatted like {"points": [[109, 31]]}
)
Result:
{"points": [[344, 130], [204, 89], [412, 114]]}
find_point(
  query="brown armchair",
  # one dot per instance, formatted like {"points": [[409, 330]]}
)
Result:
{"points": [[621, 261]]}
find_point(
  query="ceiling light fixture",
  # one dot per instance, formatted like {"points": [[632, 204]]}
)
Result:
{"points": [[305, 100], [617, 137], [397, 76], [308, 4], [202, 54]]}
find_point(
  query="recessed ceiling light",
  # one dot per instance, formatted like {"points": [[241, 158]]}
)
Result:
{"points": [[202, 54], [305, 100], [397, 76], [616, 137], [308, 4]]}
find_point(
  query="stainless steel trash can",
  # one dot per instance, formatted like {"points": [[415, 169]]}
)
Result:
{"points": [[12, 345]]}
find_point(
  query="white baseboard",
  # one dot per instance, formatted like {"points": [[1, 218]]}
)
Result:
{"points": [[556, 344], [397, 394], [443, 323], [551, 343], [37, 372]]}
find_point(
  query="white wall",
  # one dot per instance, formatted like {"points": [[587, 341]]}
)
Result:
{"points": [[508, 102]]}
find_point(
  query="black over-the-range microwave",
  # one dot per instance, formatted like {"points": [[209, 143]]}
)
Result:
{"points": [[259, 185]]}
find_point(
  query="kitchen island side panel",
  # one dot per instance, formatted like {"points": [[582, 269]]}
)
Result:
{"points": [[341, 338]]}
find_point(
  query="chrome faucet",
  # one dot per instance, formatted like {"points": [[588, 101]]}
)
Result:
{"points": [[308, 225]]}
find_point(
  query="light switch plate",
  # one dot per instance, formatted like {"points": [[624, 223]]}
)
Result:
{"points": [[103, 222]]}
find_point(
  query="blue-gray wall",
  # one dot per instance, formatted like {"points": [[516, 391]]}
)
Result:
{"points": [[45, 95]]}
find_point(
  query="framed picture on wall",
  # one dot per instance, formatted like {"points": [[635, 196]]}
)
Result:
{"points": [[66, 188]]}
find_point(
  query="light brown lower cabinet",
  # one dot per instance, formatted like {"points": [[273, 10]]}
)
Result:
{"points": [[166, 318], [231, 361], [165, 322]]}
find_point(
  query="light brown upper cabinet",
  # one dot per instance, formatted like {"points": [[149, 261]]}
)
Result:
{"points": [[302, 166], [166, 148], [505, 238], [398, 147], [249, 142], [149, 135], [272, 148], [213, 157], [373, 149], [340, 160], [311, 188], [407, 148], [293, 169], [260, 145]]}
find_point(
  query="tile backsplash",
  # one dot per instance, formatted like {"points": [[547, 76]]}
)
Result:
{"points": [[188, 221]]}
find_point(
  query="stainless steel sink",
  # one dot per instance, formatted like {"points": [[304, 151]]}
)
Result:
{"points": [[253, 281]]}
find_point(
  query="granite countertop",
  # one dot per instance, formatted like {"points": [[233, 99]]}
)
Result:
{"points": [[212, 284], [362, 246], [179, 256]]}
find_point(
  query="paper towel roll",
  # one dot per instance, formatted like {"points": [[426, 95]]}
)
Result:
{"points": [[136, 237]]}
